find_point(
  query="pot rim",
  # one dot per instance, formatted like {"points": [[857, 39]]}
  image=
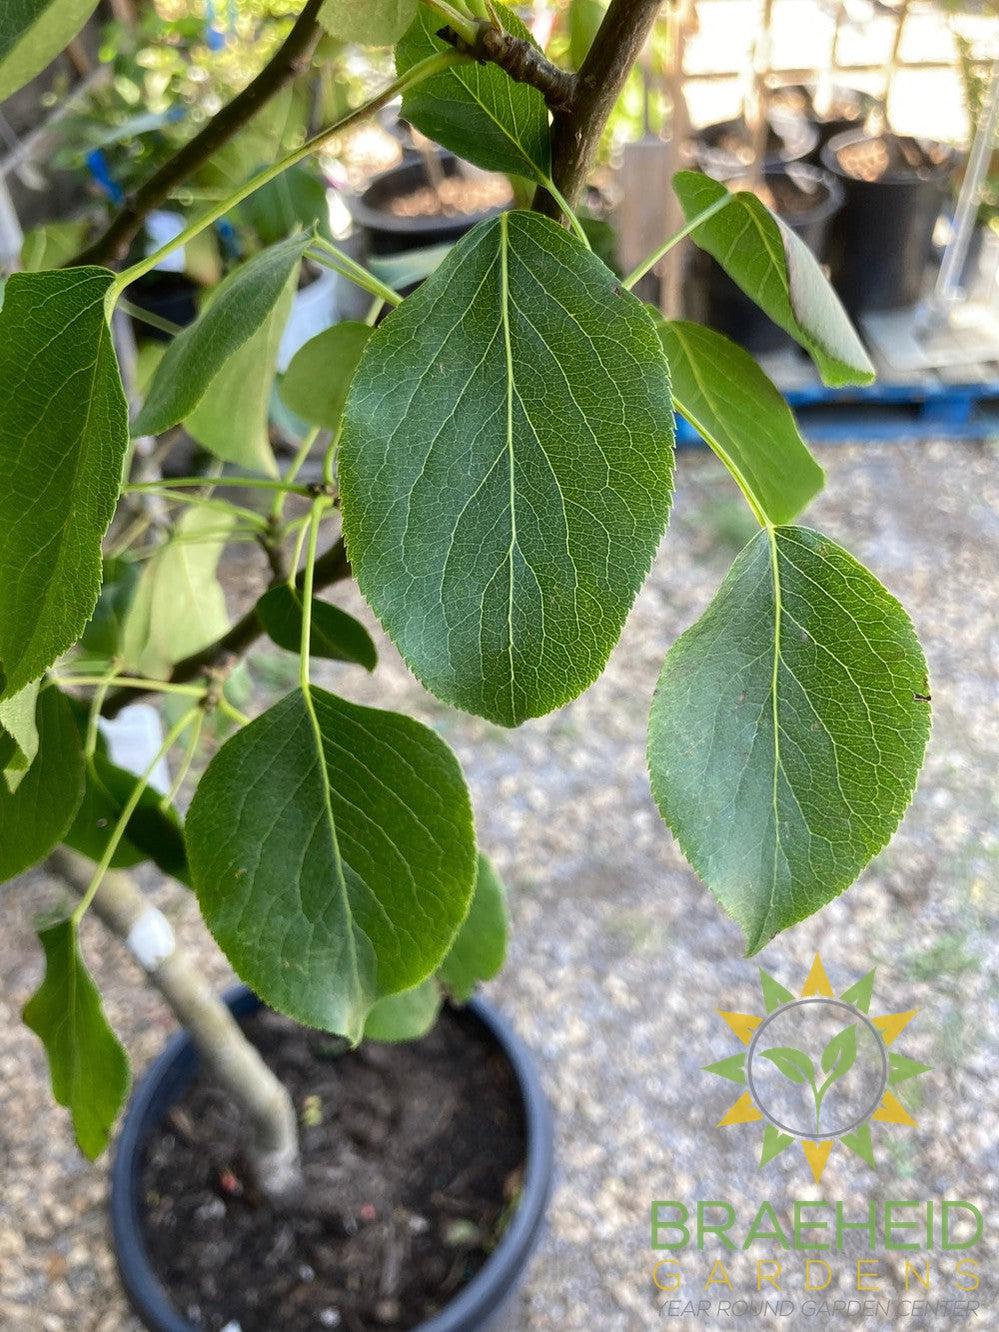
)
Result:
{"points": [[826, 206], [799, 137], [366, 214], [171, 1072], [830, 161]]}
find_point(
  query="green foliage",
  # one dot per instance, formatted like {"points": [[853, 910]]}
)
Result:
{"points": [[316, 382], [476, 111], [374, 23], [335, 634], [406, 1016], [504, 491], [87, 1063], [32, 33], [788, 729], [34, 817], [585, 18], [51, 245], [240, 313], [725, 396], [178, 607], [153, 832], [479, 949], [102, 637], [333, 854], [63, 436], [794, 1064], [295, 201], [18, 734], [776, 269]]}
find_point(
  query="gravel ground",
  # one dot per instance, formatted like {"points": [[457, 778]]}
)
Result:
{"points": [[619, 956]]}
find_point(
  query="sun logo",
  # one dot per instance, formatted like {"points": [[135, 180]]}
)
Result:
{"points": [[817, 1069]]}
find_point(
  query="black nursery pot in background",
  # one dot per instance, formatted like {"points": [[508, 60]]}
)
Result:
{"points": [[882, 239], [806, 199], [487, 1303], [845, 109], [171, 296], [384, 232], [725, 149]]}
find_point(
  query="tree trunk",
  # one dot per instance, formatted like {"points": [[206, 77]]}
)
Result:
{"points": [[120, 904]]}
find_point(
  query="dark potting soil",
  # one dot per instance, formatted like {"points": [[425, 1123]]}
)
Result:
{"points": [[891, 155], [785, 197], [413, 1158]]}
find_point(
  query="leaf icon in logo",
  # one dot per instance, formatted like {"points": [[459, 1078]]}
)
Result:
{"points": [[840, 1054], [794, 1064]]}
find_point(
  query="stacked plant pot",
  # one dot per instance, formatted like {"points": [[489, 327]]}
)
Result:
{"points": [[882, 239]]}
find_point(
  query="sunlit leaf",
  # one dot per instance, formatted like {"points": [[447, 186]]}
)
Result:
{"points": [[406, 1016], [18, 734], [372, 23], [32, 33]]}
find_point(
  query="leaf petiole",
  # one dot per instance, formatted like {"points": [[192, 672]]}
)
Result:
{"points": [[559, 198], [332, 257], [638, 273], [236, 482], [118, 832]]}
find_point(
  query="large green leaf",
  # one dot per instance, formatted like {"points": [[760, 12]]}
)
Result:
{"points": [[788, 730], [728, 399], [152, 833], [34, 817], [335, 634], [63, 437], [333, 854], [479, 949], [373, 23], [777, 270], [406, 1016], [506, 468], [178, 606], [316, 382], [474, 109], [32, 33], [87, 1063], [18, 734], [242, 308]]}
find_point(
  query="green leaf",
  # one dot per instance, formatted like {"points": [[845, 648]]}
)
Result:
{"points": [[476, 110], [102, 636], [506, 468], [733, 1068], [333, 854], [794, 1064], [840, 1054], [373, 23], [32, 33], [316, 382], [479, 950], [774, 994], [243, 309], [178, 606], [335, 634], [859, 1142], [728, 399], [63, 437], [295, 199], [152, 833], [18, 734], [35, 816], [901, 1068], [774, 1142], [87, 1063], [406, 1016], [776, 269], [51, 245], [860, 992], [788, 730], [585, 18]]}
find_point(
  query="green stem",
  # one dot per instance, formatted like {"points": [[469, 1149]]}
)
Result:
{"points": [[93, 716], [330, 456], [559, 198], [425, 69], [638, 273], [377, 305], [185, 763], [341, 263], [294, 467], [231, 711], [296, 554], [315, 519], [234, 482], [129, 682], [467, 29], [147, 317], [206, 502], [118, 832]]}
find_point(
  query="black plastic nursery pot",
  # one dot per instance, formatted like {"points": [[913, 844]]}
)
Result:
{"points": [[384, 232], [171, 296], [719, 302], [882, 238], [724, 150], [487, 1303], [846, 109]]}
